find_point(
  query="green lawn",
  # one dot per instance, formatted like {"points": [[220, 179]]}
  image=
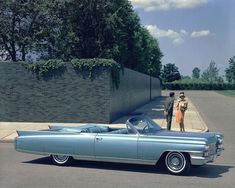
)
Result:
{"points": [[230, 93]]}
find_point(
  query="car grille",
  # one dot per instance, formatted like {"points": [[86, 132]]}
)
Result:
{"points": [[212, 149]]}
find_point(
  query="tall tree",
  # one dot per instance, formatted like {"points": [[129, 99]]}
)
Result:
{"points": [[211, 74], [20, 22], [170, 73], [68, 29], [230, 71], [148, 53], [3, 53], [196, 73]]}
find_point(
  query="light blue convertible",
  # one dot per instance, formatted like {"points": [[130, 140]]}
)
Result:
{"points": [[142, 141]]}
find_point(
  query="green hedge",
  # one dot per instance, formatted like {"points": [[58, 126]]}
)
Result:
{"points": [[198, 86], [46, 69], [92, 67]]}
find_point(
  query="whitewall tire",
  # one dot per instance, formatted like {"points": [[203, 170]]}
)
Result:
{"points": [[177, 163], [61, 159]]}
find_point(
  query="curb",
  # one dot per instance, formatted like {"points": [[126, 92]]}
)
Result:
{"points": [[7, 140], [206, 129]]}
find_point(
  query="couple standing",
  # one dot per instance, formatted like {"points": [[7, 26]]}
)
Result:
{"points": [[181, 107]]}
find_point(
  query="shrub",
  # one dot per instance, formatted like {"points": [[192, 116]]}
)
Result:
{"points": [[46, 69], [92, 68], [198, 86]]}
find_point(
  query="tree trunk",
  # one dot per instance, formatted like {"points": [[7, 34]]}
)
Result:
{"points": [[12, 43], [23, 53]]}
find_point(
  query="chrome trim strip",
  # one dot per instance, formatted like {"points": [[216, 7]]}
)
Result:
{"points": [[93, 158], [193, 155]]}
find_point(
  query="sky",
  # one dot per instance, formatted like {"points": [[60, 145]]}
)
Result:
{"points": [[191, 33]]}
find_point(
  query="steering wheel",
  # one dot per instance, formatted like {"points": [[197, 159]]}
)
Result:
{"points": [[145, 129]]}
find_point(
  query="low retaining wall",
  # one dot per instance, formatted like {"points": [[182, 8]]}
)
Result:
{"points": [[71, 97]]}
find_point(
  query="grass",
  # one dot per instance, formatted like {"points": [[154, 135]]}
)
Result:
{"points": [[229, 93]]}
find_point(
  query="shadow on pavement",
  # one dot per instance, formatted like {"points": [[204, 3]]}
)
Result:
{"points": [[207, 171], [102, 165], [210, 171], [156, 108]]}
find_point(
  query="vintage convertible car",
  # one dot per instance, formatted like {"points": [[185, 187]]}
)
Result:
{"points": [[142, 141]]}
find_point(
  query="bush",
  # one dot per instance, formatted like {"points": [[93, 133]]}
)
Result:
{"points": [[46, 69], [198, 86], [92, 68]]}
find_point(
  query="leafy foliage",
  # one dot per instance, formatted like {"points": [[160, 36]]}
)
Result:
{"points": [[198, 86], [149, 54], [68, 29], [170, 73], [47, 69], [230, 71], [196, 73], [93, 66], [21, 22], [210, 80], [211, 74]]}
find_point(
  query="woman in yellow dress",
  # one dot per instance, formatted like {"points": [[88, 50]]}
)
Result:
{"points": [[181, 107]]}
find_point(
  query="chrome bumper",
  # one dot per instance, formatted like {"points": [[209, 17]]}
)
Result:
{"points": [[199, 159]]}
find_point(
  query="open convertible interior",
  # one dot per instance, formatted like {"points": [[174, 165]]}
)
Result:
{"points": [[105, 129], [143, 125], [90, 129]]}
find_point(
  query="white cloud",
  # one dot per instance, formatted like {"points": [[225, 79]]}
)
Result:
{"points": [[150, 5], [178, 41], [202, 33], [176, 37], [183, 32]]}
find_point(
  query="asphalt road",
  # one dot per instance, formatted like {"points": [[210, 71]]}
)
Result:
{"points": [[19, 170]]}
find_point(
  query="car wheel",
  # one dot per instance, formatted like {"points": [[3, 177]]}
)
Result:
{"points": [[177, 163], [61, 159]]}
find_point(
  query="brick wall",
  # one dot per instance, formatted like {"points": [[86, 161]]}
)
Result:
{"points": [[71, 97], [134, 91]]}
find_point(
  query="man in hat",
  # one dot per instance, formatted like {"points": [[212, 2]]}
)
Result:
{"points": [[182, 106], [168, 109]]}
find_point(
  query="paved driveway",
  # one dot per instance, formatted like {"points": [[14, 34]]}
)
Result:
{"points": [[218, 112]]}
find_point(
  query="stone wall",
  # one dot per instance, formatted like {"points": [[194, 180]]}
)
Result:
{"points": [[134, 91], [71, 97], [155, 88]]}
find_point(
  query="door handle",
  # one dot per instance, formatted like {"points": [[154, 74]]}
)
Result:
{"points": [[99, 138]]}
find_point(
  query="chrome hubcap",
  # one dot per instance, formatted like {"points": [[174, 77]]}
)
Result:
{"points": [[60, 158], [175, 162]]}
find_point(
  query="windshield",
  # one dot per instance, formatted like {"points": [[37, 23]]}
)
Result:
{"points": [[144, 125]]}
